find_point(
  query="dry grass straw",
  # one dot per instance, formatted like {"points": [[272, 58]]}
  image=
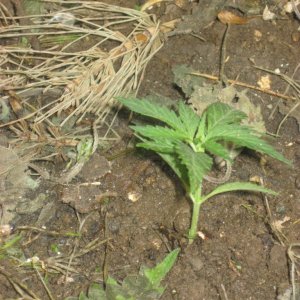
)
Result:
{"points": [[106, 58]]}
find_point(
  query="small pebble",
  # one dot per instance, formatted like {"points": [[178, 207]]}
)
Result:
{"points": [[114, 226], [182, 222], [295, 36], [196, 263]]}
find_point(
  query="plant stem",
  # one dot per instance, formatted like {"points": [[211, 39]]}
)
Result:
{"points": [[194, 224]]}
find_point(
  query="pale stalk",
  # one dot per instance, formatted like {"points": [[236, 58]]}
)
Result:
{"points": [[197, 201]]}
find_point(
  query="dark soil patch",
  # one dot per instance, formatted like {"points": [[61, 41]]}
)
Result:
{"points": [[241, 254]]}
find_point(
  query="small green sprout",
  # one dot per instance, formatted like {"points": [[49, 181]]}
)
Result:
{"points": [[144, 286], [55, 249], [187, 142]]}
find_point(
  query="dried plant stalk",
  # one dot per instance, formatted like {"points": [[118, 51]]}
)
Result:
{"points": [[115, 44]]}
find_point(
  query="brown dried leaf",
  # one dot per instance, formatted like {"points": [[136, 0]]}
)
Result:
{"points": [[227, 17], [169, 26], [15, 102], [150, 3], [141, 38]]}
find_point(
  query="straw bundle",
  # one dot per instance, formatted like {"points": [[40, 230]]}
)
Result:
{"points": [[103, 54]]}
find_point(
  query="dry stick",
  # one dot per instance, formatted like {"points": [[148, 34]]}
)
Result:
{"points": [[285, 92], [53, 233], [91, 246], [2, 10], [243, 84], [72, 256], [289, 80], [105, 261], [224, 291], [44, 283], [222, 77], [286, 116], [295, 8], [293, 257], [291, 83], [18, 286], [275, 232], [162, 239]]}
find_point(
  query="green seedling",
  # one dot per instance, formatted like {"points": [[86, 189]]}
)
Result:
{"points": [[187, 143], [54, 249], [145, 286], [10, 247]]}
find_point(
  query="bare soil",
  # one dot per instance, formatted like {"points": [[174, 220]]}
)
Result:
{"points": [[241, 256]]}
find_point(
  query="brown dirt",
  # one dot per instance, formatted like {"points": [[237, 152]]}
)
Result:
{"points": [[241, 253]]}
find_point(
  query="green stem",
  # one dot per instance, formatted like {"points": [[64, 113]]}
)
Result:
{"points": [[194, 223]]}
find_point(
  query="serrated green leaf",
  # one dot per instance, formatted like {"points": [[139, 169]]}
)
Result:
{"points": [[245, 137], [159, 272], [111, 281], [82, 296], [136, 284], [153, 110], [197, 164], [115, 291], [223, 123], [159, 146], [202, 128], [179, 169], [220, 113], [153, 132], [96, 292], [217, 149], [189, 119], [238, 186]]}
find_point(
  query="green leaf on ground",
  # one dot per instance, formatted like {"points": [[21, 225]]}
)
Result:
{"points": [[145, 286], [237, 186], [159, 272], [149, 109]]}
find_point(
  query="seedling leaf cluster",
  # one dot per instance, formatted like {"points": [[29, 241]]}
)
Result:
{"points": [[187, 143], [145, 286]]}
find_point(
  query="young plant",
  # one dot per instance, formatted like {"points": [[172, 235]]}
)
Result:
{"points": [[145, 286], [187, 142]]}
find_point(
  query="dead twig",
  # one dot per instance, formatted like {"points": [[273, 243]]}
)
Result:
{"points": [[295, 8], [19, 287], [291, 83], [43, 283], [243, 84], [224, 291], [47, 232], [295, 258], [222, 76], [275, 231], [285, 92], [76, 244], [287, 115]]}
